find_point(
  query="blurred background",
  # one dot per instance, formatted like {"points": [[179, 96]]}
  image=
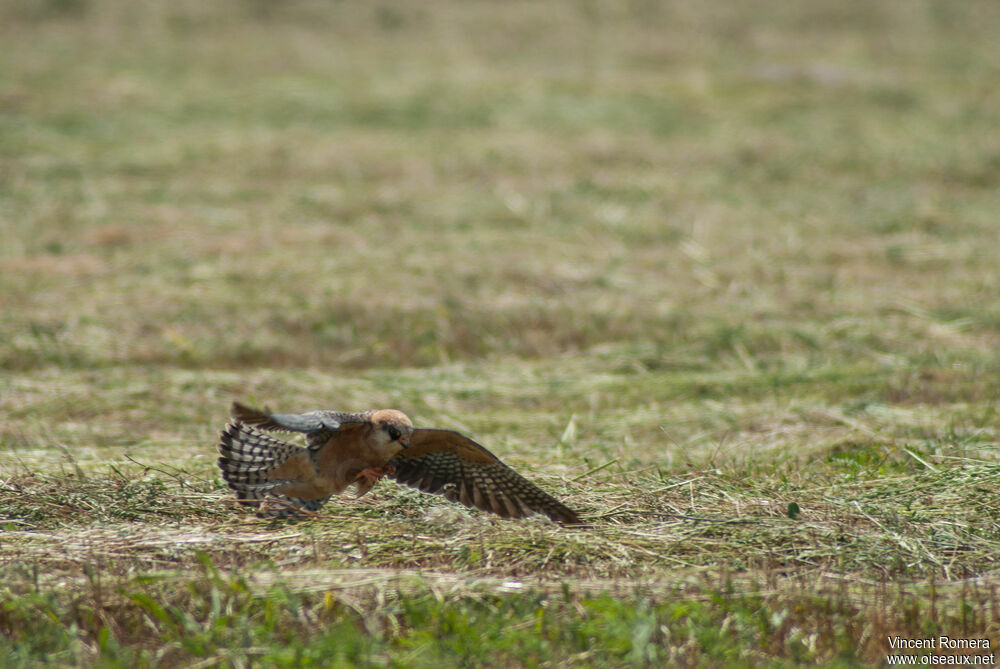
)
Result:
{"points": [[774, 221]]}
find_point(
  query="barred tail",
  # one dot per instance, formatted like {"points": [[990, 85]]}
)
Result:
{"points": [[248, 456]]}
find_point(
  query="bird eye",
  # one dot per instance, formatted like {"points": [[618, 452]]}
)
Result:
{"points": [[394, 433]]}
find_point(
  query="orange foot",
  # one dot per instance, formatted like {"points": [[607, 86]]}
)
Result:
{"points": [[367, 478]]}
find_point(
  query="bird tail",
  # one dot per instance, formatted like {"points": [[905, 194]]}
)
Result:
{"points": [[247, 457]]}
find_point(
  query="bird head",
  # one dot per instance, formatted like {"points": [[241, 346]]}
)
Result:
{"points": [[392, 430]]}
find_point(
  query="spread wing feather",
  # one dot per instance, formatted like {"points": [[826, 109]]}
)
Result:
{"points": [[246, 458], [448, 463], [318, 426]]}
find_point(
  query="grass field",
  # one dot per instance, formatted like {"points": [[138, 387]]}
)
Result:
{"points": [[722, 276]]}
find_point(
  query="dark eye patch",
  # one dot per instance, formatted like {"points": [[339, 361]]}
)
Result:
{"points": [[394, 433]]}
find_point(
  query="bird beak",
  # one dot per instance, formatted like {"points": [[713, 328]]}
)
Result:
{"points": [[404, 442]]}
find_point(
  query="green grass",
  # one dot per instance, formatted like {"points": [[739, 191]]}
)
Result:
{"points": [[420, 621], [722, 278]]}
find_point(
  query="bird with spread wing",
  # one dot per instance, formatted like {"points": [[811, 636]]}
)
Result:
{"points": [[342, 448]]}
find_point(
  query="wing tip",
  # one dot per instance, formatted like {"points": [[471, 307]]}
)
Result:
{"points": [[564, 515], [248, 415]]}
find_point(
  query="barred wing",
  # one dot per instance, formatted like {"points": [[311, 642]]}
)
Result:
{"points": [[448, 463]]}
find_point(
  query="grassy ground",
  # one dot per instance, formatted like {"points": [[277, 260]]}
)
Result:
{"points": [[722, 277]]}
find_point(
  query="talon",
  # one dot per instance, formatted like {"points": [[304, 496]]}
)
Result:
{"points": [[372, 474], [367, 478]]}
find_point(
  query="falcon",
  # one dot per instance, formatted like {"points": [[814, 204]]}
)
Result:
{"points": [[343, 448]]}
